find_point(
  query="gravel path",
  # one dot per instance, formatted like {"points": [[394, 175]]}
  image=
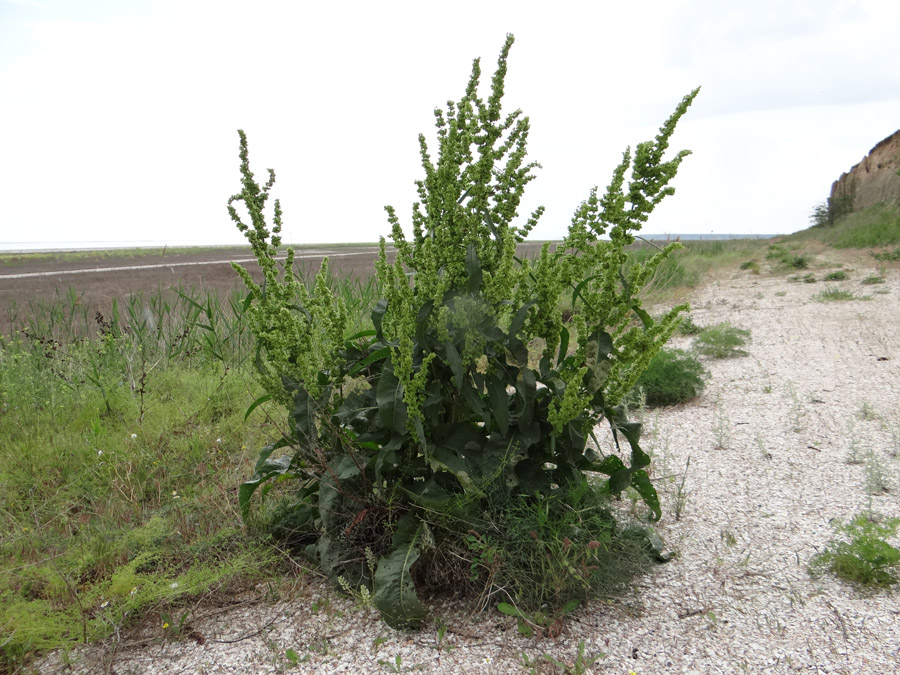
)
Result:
{"points": [[771, 444]]}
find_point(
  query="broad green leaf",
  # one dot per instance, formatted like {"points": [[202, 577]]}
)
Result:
{"points": [[473, 269], [510, 610], [378, 313], [395, 594], [610, 464], [265, 469], [377, 355], [262, 399], [526, 388], [519, 319], [499, 403], [422, 318], [641, 482], [455, 362], [563, 346], [619, 481]]}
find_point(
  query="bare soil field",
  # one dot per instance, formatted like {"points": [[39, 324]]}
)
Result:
{"points": [[101, 279], [800, 434]]}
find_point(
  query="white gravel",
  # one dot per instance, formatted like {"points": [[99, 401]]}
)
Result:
{"points": [[769, 445]]}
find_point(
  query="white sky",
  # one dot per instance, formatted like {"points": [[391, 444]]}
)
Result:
{"points": [[119, 118]]}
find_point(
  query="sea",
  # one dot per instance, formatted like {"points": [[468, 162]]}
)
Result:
{"points": [[80, 245]]}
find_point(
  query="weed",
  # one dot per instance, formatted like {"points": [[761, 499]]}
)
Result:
{"points": [[862, 556], [721, 341], [876, 476], [853, 454], [673, 376], [761, 446], [836, 294], [448, 431], [581, 664], [867, 412], [679, 499], [721, 429], [750, 265], [796, 411], [838, 275], [873, 279], [808, 279], [687, 326]]}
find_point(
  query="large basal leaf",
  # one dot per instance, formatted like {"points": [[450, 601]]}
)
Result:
{"points": [[265, 469], [395, 593], [499, 403], [640, 481]]}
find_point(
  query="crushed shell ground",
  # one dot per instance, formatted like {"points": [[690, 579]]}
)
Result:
{"points": [[802, 431]]}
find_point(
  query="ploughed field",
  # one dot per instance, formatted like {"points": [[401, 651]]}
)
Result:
{"points": [[101, 278]]}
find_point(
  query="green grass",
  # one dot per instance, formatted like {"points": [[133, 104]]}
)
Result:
{"points": [[873, 279], [877, 226], [686, 268], [124, 444], [836, 294], [838, 275]]}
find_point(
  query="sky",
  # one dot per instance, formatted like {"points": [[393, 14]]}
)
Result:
{"points": [[120, 117]]}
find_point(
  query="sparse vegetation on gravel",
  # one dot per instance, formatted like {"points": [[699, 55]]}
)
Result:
{"points": [[721, 341]]}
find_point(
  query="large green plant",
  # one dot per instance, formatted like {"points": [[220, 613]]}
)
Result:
{"points": [[468, 392]]}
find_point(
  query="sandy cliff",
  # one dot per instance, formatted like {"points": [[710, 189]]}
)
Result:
{"points": [[874, 179]]}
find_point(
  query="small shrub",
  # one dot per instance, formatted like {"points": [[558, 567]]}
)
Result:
{"points": [[799, 262], [872, 280], [688, 327], [750, 265], [835, 294], [673, 376], [862, 556], [835, 276], [722, 341], [809, 279]]}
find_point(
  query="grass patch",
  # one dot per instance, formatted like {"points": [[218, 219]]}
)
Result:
{"points": [[835, 276], [721, 341], [124, 441], [873, 279], [877, 226], [836, 294]]}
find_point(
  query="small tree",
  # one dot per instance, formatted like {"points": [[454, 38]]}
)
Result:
{"points": [[469, 396]]}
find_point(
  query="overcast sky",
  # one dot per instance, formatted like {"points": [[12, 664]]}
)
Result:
{"points": [[119, 118]]}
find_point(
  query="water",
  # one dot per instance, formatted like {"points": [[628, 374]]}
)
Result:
{"points": [[99, 245]]}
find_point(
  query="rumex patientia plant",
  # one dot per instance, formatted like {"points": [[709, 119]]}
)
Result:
{"points": [[468, 392]]}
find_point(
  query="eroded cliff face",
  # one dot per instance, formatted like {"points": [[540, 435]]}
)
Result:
{"points": [[874, 179]]}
